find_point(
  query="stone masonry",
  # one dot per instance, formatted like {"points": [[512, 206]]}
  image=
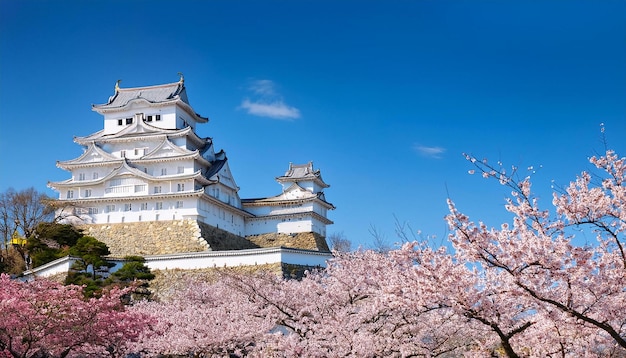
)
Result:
{"points": [[149, 238], [169, 237]]}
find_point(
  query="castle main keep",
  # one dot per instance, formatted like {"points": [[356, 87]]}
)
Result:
{"points": [[148, 184]]}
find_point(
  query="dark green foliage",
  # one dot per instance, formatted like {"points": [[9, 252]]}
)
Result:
{"points": [[51, 241], [133, 273], [90, 266], [133, 269]]}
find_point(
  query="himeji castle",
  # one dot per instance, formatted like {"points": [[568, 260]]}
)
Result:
{"points": [[148, 184]]}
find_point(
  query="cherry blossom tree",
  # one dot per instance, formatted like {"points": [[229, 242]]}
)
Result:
{"points": [[205, 319], [578, 288], [44, 318]]}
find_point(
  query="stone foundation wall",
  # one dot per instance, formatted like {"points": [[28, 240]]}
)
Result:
{"points": [[169, 237], [219, 239], [166, 282], [302, 240], [149, 238]]}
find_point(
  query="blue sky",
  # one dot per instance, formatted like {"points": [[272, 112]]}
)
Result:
{"points": [[383, 96]]}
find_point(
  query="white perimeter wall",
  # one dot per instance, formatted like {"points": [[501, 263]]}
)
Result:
{"points": [[201, 260]]}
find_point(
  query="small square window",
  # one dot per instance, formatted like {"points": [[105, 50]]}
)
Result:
{"points": [[120, 122], [157, 117], [123, 153], [149, 119], [129, 121]]}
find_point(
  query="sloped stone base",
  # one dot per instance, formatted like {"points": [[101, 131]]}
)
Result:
{"points": [[302, 240], [170, 237]]}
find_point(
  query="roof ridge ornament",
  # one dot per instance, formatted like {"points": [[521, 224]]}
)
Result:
{"points": [[182, 78], [117, 85]]}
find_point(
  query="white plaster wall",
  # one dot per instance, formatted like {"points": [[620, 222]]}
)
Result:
{"points": [[237, 258], [200, 260], [55, 267], [221, 218], [294, 226], [285, 226], [257, 227], [280, 209]]}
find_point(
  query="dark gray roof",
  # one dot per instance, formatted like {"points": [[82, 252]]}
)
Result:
{"points": [[152, 94], [302, 172]]}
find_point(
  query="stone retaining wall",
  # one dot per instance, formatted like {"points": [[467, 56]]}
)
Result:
{"points": [[169, 237], [149, 238], [302, 240], [166, 282]]}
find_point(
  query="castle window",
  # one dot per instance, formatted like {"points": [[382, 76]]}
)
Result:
{"points": [[120, 122], [87, 193], [122, 154], [181, 187], [128, 207], [70, 194], [149, 119], [157, 189], [159, 206], [179, 204], [95, 175], [181, 170], [129, 121], [157, 117], [163, 171], [93, 211], [110, 208], [81, 176], [144, 206]]}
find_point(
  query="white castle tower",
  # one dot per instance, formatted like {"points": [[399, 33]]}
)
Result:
{"points": [[301, 207], [148, 165]]}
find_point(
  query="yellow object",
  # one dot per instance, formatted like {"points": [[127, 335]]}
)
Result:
{"points": [[16, 239]]}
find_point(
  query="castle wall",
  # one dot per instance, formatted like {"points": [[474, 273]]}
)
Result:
{"points": [[303, 223], [179, 236], [149, 238], [302, 240]]}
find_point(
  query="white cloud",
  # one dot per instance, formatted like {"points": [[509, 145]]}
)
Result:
{"points": [[266, 102], [430, 152], [263, 87], [277, 110]]}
